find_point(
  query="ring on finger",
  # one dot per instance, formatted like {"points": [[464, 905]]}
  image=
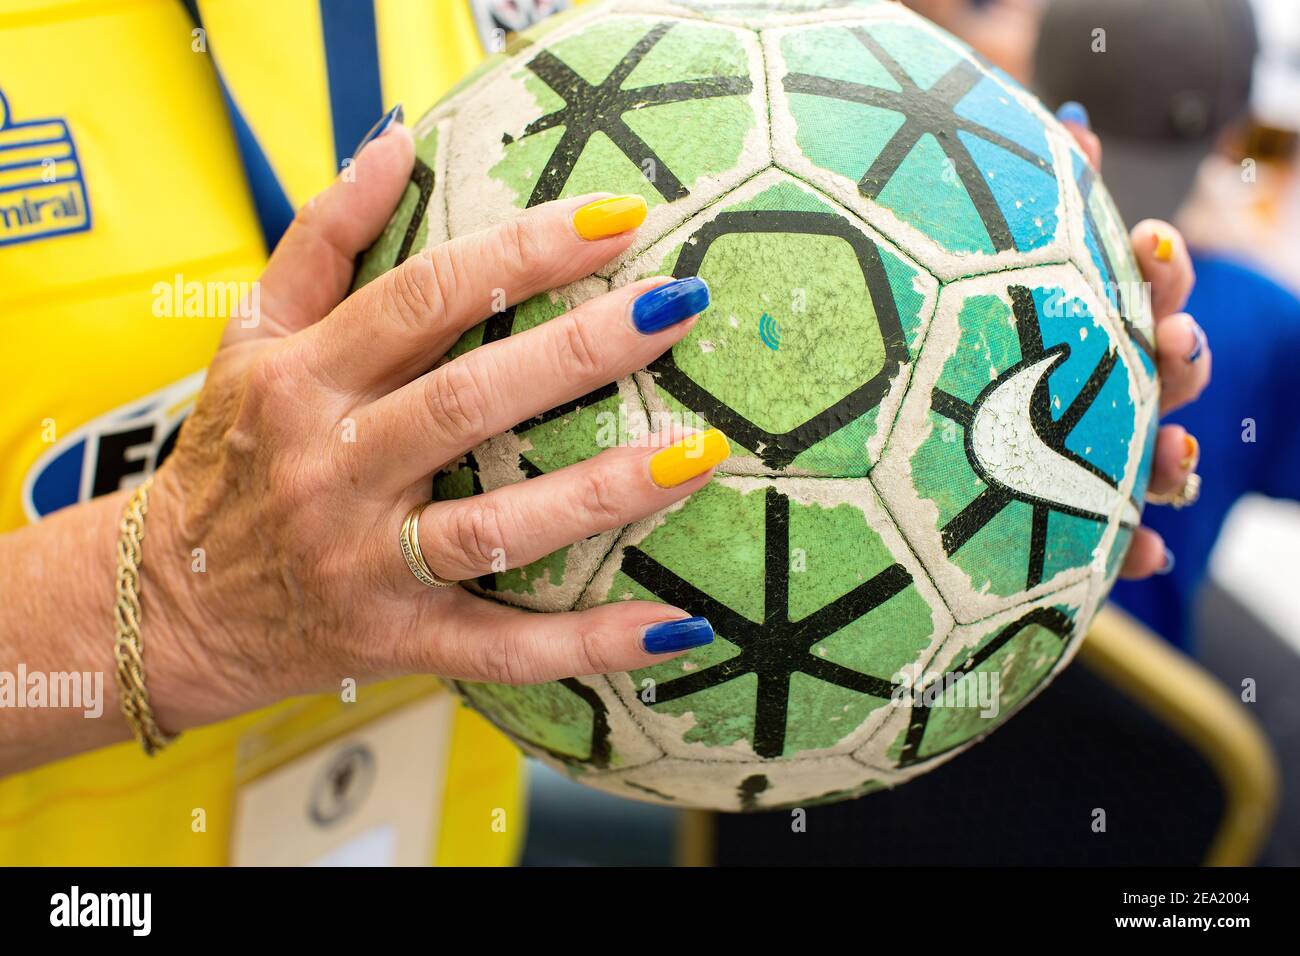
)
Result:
{"points": [[1185, 495], [410, 542]]}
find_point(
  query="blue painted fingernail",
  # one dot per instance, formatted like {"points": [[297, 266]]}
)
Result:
{"points": [[668, 637], [1072, 112], [1169, 563], [1199, 347], [669, 304], [395, 115]]}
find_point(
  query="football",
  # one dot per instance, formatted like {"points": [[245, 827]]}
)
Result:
{"points": [[929, 346]]}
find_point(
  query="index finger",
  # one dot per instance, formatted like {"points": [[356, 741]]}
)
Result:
{"points": [[311, 267], [397, 327]]}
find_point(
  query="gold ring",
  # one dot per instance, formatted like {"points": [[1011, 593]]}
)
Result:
{"points": [[410, 542], [1184, 496]]}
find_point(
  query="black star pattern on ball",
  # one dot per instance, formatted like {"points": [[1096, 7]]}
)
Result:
{"points": [[1051, 619], [932, 111], [589, 109], [778, 647]]}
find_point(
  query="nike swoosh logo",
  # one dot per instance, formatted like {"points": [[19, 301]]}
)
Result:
{"points": [[1009, 449]]}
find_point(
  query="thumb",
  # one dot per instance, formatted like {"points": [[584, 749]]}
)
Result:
{"points": [[310, 270]]}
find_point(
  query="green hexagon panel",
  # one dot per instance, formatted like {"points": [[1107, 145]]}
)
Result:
{"points": [[911, 133], [1013, 462], [816, 605], [983, 674], [804, 353], [672, 110]]}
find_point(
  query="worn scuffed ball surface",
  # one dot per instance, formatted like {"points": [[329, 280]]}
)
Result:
{"points": [[928, 346]]}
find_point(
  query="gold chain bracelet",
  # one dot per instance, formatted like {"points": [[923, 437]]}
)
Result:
{"points": [[128, 648]]}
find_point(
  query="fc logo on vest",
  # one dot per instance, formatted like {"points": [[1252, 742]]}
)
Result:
{"points": [[42, 192], [115, 451]]}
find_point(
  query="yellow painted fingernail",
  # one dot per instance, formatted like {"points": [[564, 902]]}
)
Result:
{"points": [[608, 217], [693, 455], [1191, 452], [1164, 250]]}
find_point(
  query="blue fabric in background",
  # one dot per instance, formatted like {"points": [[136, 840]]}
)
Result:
{"points": [[1253, 326], [352, 64], [356, 103]]}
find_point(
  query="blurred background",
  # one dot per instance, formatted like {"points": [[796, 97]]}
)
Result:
{"points": [[1197, 745]]}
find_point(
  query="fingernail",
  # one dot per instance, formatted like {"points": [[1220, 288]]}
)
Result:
{"points": [[1163, 246], [1169, 563], [386, 122], [1191, 452], [1199, 347], [693, 455], [669, 304], [668, 637], [609, 217], [1072, 112]]}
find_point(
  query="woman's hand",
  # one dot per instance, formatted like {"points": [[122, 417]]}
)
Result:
{"points": [[318, 429], [1183, 358]]}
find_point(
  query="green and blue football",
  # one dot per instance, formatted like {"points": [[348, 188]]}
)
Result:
{"points": [[929, 347]]}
